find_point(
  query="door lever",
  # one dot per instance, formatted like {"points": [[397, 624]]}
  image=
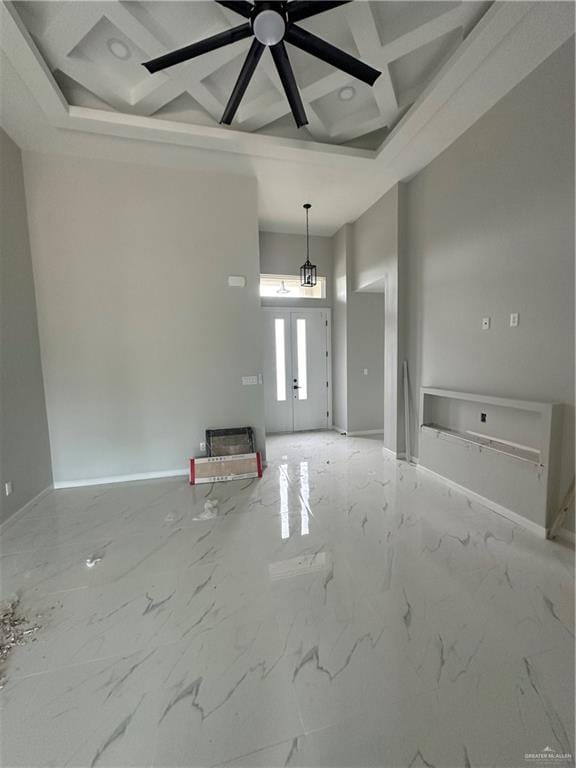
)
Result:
{"points": [[295, 386]]}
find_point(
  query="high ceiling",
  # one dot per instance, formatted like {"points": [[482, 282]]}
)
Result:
{"points": [[95, 51], [71, 83]]}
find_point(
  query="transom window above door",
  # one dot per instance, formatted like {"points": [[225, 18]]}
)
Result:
{"points": [[288, 287]]}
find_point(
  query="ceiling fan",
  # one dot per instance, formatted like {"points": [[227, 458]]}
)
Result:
{"points": [[272, 23]]}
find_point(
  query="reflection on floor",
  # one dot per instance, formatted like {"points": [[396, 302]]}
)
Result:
{"points": [[344, 611]]}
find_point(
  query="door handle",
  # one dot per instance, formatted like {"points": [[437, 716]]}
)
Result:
{"points": [[296, 387]]}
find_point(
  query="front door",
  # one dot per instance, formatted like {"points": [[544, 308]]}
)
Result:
{"points": [[296, 369]]}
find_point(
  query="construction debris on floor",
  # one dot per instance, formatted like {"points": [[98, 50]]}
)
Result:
{"points": [[15, 629], [231, 456]]}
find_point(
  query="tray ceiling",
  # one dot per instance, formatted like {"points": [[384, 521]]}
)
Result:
{"points": [[95, 50]]}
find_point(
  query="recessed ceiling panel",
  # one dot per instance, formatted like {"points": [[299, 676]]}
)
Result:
{"points": [[185, 109], [221, 82], [39, 14], [79, 95], [395, 19], [353, 101], [181, 23], [412, 71], [96, 50], [108, 50]]}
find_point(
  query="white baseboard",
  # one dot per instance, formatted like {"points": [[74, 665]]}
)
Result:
{"points": [[362, 432], [492, 505], [25, 507], [400, 456], [60, 484]]}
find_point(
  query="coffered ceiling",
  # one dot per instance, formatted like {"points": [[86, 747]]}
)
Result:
{"points": [[71, 82], [95, 51]]}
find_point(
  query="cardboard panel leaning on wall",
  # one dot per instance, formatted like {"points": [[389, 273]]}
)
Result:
{"points": [[491, 232], [24, 444], [143, 342]]}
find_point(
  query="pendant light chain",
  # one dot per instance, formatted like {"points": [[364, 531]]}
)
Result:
{"points": [[307, 239], [308, 277]]}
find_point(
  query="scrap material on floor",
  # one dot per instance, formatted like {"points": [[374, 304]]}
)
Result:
{"points": [[15, 630], [219, 469], [231, 455], [229, 442], [344, 610]]}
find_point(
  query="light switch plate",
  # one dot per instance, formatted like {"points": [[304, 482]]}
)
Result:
{"points": [[365, 371], [8, 488], [514, 319], [485, 323], [236, 281], [248, 381]]}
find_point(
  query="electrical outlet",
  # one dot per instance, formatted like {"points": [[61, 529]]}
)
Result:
{"points": [[8, 487], [203, 447], [365, 371], [485, 323], [483, 417], [514, 319]]}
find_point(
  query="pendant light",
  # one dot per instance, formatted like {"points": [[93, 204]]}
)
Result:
{"points": [[307, 270], [283, 290]]}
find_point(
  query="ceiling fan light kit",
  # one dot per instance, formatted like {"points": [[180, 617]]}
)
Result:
{"points": [[272, 23]]}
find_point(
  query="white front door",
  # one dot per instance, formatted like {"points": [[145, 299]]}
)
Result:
{"points": [[296, 369]]}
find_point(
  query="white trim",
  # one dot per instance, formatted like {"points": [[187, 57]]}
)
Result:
{"points": [[566, 535], [119, 479], [393, 454], [339, 430], [322, 280], [506, 442], [492, 505], [28, 505], [361, 432]]}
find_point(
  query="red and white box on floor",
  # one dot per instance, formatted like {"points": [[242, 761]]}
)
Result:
{"points": [[218, 469]]}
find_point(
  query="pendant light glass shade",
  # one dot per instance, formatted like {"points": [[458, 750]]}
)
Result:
{"points": [[308, 278]]}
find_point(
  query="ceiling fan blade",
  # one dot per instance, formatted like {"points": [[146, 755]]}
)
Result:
{"points": [[250, 63], [280, 56], [199, 48], [304, 9], [238, 6], [315, 46]]}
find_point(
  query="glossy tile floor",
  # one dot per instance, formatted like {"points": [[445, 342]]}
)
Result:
{"points": [[346, 610]]}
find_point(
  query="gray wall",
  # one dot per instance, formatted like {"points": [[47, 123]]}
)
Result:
{"points": [[340, 328], [284, 255], [377, 268], [24, 445], [490, 232], [143, 343], [365, 350], [358, 334]]}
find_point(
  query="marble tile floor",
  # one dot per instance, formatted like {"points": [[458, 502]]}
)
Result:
{"points": [[345, 610]]}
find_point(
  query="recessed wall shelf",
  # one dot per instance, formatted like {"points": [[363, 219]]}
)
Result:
{"points": [[497, 448], [522, 454]]}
